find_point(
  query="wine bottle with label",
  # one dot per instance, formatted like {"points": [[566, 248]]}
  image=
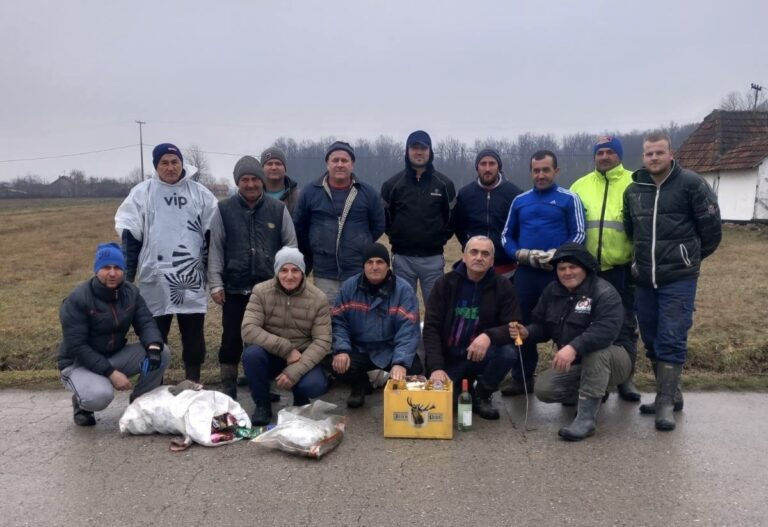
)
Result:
{"points": [[465, 407]]}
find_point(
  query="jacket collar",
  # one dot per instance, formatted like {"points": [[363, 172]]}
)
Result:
{"points": [[104, 293]]}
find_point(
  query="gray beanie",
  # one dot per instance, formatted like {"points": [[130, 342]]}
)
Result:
{"points": [[340, 145], [248, 165], [289, 255], [273, 153], [487, 152]]}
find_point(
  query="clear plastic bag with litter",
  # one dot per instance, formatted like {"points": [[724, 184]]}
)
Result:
{"points": [[311, 430]]}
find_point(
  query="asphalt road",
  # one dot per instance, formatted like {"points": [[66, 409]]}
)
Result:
{"points": [[711, 471]]}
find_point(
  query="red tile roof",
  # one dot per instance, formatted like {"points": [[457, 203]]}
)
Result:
{"points": [[726, 140]]}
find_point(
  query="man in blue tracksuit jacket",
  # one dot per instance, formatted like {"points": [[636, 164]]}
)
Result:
{"points": [[539, 221]]}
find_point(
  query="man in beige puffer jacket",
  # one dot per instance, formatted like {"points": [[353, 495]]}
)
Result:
{"points": [[287, 332]]}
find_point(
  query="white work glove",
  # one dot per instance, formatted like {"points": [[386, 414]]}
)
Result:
{"points": [[538, 259]]}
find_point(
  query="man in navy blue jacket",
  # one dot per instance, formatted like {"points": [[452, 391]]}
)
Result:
{"points": [[482, 207], [539, 221], [337, 217], [375, 325]]}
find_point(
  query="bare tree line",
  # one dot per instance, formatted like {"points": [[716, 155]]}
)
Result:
{"points": [[377, 160]]}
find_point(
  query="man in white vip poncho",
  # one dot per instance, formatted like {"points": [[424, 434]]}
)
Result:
{"points": [[164, 224]]}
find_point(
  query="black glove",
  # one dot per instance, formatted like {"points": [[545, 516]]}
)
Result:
{"points": [[152, 361]]}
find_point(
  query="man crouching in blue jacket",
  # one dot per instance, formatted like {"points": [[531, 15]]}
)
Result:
{"points": [[583, 315], [94, 357], [375, 325]]}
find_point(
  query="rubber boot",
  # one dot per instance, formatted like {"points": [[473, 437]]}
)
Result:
{"points": [[192, 372], [262, 415], [229, 380], [80, 416], [583, 425], [650, 408], [667, 381], [482, 403], [516, 387], [628, 391]]}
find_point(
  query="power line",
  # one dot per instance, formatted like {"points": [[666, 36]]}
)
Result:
{"points": [[67, 155]]}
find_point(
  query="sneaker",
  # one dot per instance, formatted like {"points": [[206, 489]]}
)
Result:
{"points": [[80, 416]]}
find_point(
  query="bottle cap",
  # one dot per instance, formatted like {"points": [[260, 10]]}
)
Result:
{"points": [[464, 385]]}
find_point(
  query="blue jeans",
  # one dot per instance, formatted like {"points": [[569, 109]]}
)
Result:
{"points": [[498, 360], [665, 315], [529, 284], [261, 367]]}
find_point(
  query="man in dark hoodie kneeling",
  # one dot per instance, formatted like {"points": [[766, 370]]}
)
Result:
{"points": [[582, 314], [465, 325]]}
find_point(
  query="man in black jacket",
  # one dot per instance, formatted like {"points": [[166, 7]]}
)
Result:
{"points": [[672, 216], [482, 207], [94, 357], [245, 236], [418, 202], [465, 325], [582, 314]]}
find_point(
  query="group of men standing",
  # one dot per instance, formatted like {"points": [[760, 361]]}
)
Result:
{"points": [[570, 254]]}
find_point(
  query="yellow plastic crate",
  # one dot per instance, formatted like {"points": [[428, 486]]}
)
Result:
{"points": [[420, 414]]}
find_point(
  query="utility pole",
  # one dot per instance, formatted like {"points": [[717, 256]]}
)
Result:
{"points": [[141, 147], [757, 89]]}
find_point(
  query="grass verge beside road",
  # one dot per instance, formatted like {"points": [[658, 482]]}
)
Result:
{"points": [[48, 248]]}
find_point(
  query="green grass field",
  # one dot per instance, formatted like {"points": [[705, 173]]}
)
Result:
{"points": [[48, 248]]}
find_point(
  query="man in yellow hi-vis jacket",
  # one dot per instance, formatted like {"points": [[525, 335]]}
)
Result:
{"points": [[602, 193]]}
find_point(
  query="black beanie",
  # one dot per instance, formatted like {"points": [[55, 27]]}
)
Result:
{"points": [[487, 152], [376, 250]]}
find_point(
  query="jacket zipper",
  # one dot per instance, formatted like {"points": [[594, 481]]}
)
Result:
{"points": [[602, 221], [114, 329], [488, 213]]}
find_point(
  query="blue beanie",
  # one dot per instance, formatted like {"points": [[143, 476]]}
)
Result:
{"points": [[165, 148], [608, 141], [108, 254]]}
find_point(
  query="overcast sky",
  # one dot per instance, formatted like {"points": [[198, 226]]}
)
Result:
{"points": [[231, 76]]}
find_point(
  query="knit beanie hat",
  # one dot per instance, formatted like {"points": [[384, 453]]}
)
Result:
{"points": [[248, 165], [611, 142], [485, 152], [340, 145], [289, 255], [273, 153], [376, 250], [165, 148], [108, 254]]}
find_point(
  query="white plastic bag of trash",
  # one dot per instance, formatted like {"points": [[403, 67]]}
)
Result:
{"points": [[190, 413], [311, 430]]}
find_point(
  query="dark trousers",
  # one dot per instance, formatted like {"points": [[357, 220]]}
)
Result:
{"points": [[620, 278], [665, 315], [192, 329], [231, 323], [491, 370], [360, 364], [529, 284], [261, 367]]}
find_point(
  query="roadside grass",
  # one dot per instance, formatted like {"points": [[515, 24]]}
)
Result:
{"points": [[48, 248]]}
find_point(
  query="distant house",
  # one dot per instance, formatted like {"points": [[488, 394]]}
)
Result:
{"points": [[730, 149]]}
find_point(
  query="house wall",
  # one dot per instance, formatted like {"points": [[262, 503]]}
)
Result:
{"points": [[736, 192], [761, 208]]}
